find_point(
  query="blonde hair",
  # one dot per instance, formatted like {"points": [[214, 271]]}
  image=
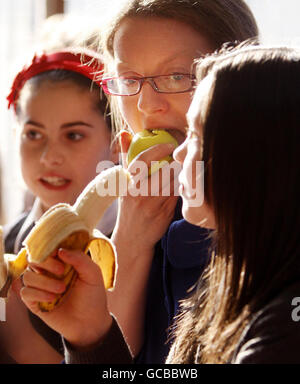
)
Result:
{"points": [[220, 21]]}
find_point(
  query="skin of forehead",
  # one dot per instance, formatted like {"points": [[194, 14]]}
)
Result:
{"points": [[156, 32]]}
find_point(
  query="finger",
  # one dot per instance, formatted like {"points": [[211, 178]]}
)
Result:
{"points": [[52, 264], [155, 153], [43, 282], [87, 270], [170, 183], [140, 177], [115, 150], [125, 138], [32, 296], [164, 181], [17, 285]]}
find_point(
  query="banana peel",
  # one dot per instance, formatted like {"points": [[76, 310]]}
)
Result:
{"points": [[72, 227]]}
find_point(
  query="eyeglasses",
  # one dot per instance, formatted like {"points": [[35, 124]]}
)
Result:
{"points": [[130, 86]]}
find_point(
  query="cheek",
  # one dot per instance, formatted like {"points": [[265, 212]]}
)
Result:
{"points": [[128, 109], [180, 104], [28, 157], [86, 162], [28, 164], [192, 164]]}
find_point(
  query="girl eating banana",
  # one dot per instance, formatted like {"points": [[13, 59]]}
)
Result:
{"points": [[63, 133]]}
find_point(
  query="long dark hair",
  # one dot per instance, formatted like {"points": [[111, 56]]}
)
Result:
{"points": [[252, 146]]}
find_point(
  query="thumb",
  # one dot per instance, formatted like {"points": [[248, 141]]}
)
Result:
{"points": [[17, 285], [125, 138], [87, 270]]}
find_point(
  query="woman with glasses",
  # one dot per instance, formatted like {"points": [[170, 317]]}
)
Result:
{"points": [[150, 47]]}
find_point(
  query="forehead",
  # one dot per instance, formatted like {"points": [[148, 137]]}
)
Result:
{"points": [[149, 41], [56, 98], [200, 99]]}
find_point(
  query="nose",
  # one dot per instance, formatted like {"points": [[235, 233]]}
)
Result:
{"points": [[150, 101], [52, 155], [179, 153]]}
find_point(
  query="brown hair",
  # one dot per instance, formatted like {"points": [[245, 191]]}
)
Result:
{"points": [[219, 20], [251, 143], [57, 76]]}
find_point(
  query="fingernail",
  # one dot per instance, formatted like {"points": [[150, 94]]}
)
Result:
{"points": [[171, 146], [63, 252]]}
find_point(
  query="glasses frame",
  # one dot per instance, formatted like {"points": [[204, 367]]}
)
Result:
{"points": [[148, 79]]}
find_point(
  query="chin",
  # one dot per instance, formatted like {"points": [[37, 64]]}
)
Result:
{"points": [[198, 216], [189, 214]]}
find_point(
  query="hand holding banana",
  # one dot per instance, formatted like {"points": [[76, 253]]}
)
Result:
{"points": [[70, 227], [82, 317]]}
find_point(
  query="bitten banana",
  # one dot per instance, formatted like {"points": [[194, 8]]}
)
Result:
{"points": [[72, 227]]}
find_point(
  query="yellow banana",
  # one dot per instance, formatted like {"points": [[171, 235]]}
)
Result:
{"points": [[73, 227]]}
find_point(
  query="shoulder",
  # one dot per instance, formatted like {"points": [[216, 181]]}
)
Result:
{"points": [[273, 335], [11, 230]]}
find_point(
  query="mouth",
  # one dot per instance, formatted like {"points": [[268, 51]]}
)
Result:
{"points": [[55, 182], [177, 134]]}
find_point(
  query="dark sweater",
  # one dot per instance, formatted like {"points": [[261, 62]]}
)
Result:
{"points": [[272, 337]]}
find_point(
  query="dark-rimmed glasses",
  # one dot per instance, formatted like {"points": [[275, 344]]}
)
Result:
{"points": [[130, 86]]}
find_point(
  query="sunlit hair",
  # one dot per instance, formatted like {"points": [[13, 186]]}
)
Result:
{"points": [[219, 21], [252, 145], [80, 66]]}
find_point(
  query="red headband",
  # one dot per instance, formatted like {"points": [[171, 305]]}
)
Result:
{"points": [[76, 62]]}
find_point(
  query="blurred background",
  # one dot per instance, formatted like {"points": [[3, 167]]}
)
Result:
{"points": [[25, 23]]}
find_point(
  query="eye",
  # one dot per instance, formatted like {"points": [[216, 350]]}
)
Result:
{"points": [[75, 136], [33, 135], [128, 82], [177, 77]]}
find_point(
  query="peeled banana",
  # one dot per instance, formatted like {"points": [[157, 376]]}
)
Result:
{"points": [[72, 227]]}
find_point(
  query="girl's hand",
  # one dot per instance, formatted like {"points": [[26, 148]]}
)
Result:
{"points": [[82, 316], [146, 218]]}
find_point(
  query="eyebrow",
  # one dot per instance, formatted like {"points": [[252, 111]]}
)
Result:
{"points": [[32, 122], [74, 123], [168, 60], [66, 125]]}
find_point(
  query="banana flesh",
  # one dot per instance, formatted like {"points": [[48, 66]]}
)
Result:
{"points": [[3, 265], [73, 227]]}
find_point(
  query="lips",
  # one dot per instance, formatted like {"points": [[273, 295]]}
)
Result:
{"points": [[175, 132], [54, 182]]}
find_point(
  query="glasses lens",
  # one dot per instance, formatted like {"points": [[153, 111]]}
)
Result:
{"points": [[173, 83], [122, 86]]}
